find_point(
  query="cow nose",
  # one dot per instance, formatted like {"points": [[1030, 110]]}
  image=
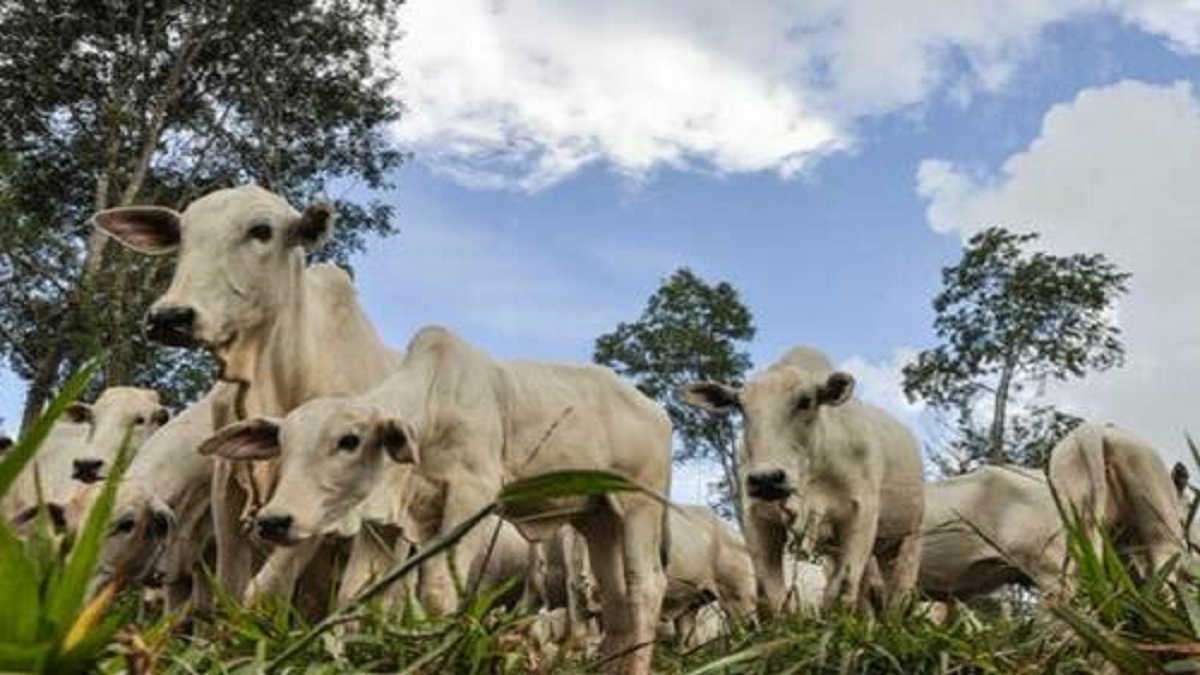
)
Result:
{"points": [[768, 485], [172, 325], [273, 527], [87, 470], [159, 525]]}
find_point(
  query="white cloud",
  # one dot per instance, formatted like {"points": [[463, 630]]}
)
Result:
{"points": [[523, 93], [881, 383], [1113, 171]]}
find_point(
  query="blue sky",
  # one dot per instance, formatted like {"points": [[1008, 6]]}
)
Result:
{"points": [[825, 158]]}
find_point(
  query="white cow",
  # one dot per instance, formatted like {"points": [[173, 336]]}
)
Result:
{"points": [[707, 561], [162, 517], [285, 332], [470, 424], [995, 526], [80, 448], [843, 475], [1117, 483]]}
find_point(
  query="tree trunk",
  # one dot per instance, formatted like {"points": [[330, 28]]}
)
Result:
{"points": [[996, 453], [729, 465]]}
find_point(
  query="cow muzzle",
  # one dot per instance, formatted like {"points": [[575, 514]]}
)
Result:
{"points": [[274, 528], [172, 325], [87, 470], [771, 486]]}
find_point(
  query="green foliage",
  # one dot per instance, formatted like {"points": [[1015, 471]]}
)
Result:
{"points": [[1028, 440], [690, 330], [49, 625], [1007, 319], [116, 102]]}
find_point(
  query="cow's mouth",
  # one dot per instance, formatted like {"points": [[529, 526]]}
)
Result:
{"points": [[286, 540], [769, 492], [155, 579], [87, 475]]}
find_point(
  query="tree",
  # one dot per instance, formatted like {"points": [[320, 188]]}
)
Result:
{"points": [[121, 101], [690, 330], [1008, 318]]}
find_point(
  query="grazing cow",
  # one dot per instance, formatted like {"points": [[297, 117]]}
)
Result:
{"points": [[707, 561], [842, 475], [283, 331], [80, 448], [6, 443], [469, 425], [1117, 483], [995, 526], [162, 520]]}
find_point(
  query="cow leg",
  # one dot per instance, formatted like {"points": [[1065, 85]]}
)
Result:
{"points": [[277, 578], [903, 568], [235, 556], [645, 578], [856, 540], [602, 530], [766, 541], [438, 588]]}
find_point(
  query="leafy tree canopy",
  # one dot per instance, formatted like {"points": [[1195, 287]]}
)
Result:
{"points": [[1009, 318], [690, 330]]}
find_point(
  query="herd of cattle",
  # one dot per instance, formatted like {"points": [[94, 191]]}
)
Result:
{"points": [[323, 456]]}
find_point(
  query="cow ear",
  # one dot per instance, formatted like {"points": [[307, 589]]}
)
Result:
{"points": [[838, 389], [248, 440], [153, 230], [79, 413], [710, 396], [161, 415], [1180, 476], [313, 227], [399, 441]]}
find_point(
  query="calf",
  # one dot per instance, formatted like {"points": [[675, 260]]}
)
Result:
{"points": [[162, 518], [842, 475], [469, 425]]}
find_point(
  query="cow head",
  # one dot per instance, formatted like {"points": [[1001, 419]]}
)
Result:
{"points": [[781, 408], [140, 530], [119, 411], [241, 255], [331, 454]]}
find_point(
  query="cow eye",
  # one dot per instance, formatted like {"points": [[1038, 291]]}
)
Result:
{"points": [[348, 443], [124, 525], [803, 402], [260, 231], [139, 420]]}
